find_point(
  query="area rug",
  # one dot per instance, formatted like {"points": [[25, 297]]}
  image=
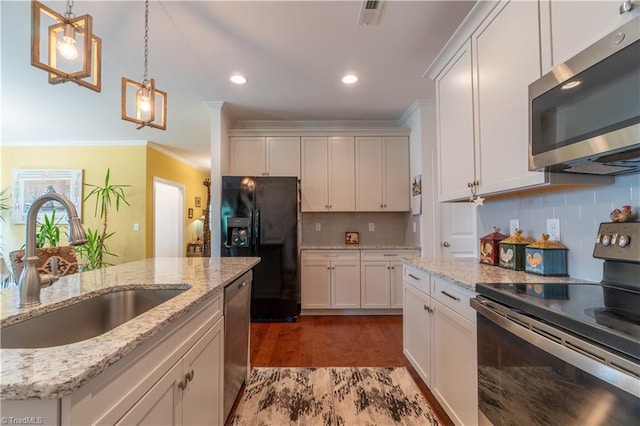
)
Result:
{"points": [[332, 397]]}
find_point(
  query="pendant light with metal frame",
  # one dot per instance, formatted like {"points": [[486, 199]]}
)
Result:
{"points": [[64, 61], [149, 103]]}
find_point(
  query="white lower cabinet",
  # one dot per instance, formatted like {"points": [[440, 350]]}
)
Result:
{"points": [[381, 278], [330, 279], [175, 377], [439, 339], [185, 394]]}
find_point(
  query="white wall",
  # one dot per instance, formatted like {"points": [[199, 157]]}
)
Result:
{"points": [[580, 212]]}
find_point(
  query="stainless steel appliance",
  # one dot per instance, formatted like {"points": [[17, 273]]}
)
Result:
{"points": [[584, 115], [237, 299], [260, 217], [573, 359]]}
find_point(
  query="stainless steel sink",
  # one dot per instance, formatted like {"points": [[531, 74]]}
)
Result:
{"points": [[83, 320]]}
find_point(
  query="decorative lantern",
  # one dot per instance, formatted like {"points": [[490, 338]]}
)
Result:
{"points": [[512, 251], [489, 247], [546, 257]]}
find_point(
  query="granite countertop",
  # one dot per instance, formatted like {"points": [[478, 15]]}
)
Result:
{"points": [[468, 271], [359, 247], [54, 372]]}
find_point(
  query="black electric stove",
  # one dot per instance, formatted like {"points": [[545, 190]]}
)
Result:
{"points": [[607, 313]]}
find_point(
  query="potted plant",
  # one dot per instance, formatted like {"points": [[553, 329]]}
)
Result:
{"points": [[106, 196]]}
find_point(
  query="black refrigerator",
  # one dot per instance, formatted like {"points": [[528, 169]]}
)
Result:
{"points": [[260, 218]]}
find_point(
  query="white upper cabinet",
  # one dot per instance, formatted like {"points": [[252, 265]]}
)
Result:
{"points": [[328, 174], [568, 27], [454, 93], [382, 174], [265, 156], [506, 53]]}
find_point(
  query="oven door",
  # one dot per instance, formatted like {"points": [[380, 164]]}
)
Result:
{"points": [[532, 373]]}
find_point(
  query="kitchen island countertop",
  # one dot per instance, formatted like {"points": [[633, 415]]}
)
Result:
{"points": [[468, 271], [54, 372], [358, 247]]}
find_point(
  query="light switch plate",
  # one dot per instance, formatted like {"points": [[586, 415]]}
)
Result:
{"points": [[414, 227], [553, 229], [372, 227], [318, 226]]}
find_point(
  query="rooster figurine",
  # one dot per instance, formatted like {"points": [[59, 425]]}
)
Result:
{"points": [[622, 215]]}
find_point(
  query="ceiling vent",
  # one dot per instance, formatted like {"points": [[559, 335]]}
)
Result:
{"points": [[370, 12]]}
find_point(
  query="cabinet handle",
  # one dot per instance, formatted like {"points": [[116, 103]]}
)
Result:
{"points": [[385, 206], [330, 255], [626, 6], [182, 384], [414, 277], [428, 309], [388, 267], [380, 205], [189, 376], [457, 299], [389, 254], [393, 267]]}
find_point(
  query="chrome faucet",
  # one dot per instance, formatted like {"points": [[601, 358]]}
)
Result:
{"points": [[30, 280]]}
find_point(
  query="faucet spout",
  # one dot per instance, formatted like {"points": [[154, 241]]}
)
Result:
{"points": [[30, 283]]}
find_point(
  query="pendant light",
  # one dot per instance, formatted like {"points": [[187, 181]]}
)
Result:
{"points": [[73, 52], [142, 103]]}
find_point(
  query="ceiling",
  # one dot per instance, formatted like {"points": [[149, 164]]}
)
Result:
{"points": [[294, 54]]}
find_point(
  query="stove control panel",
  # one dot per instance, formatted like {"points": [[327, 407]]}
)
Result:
{"points": [[618, 241]]}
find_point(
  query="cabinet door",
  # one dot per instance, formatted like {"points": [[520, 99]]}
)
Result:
{"points": [[416, 331], [283, 156], [315, 174], [342, 182], [374, 284], [161, 405], [316, 284], [567, 29], [507, 56], [454, 92], [345, 285], [369, 174], [248, 156], [396, 174], [454, 380], [396, 284], [202, 399]]}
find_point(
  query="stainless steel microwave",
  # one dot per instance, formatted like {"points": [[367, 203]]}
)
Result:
{"points": [[584, 115]]}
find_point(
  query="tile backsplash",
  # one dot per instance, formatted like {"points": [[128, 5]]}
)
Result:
{"points": [[579, 211], [389, 228]]}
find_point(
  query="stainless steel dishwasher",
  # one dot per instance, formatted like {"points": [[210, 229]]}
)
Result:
{"points": [[237, 317]]}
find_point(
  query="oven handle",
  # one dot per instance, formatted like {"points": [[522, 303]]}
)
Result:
{"points": [[606, 366]]}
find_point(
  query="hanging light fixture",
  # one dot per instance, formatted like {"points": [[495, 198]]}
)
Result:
{"points": [[73, 52], [149, 103]]}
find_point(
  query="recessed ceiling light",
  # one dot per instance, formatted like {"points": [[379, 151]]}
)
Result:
{"points": [[238, 79], [349, 78], [571, 85]]}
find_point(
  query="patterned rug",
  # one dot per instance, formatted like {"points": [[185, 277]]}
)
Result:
{"points": [[332, 397]]}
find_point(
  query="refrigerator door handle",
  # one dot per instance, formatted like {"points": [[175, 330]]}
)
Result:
{"points": [[256, 231]]}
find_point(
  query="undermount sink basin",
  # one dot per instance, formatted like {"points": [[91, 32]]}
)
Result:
{"points": [[83, 320]]}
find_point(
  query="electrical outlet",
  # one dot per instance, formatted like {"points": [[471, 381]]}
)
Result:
{"points": [[553, 229], [414, 227], [318, 227], [372, 227], [136, 227], [513, 225]]}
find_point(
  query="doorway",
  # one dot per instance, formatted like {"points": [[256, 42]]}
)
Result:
{"points": [[168, 218]]}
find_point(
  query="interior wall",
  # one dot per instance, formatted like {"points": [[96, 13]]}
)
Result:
{"points": [[580, 212], [170, 168], [127, 168]]}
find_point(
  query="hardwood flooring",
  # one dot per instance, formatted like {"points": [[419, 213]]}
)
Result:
{"points": [[335, 341]]}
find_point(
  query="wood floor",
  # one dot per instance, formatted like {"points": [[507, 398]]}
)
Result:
{"points": [[335, 341]]}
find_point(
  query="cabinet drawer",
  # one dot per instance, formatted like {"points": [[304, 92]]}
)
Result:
{"points": [[454, 297], [417, 278], [331, 255], [387, 255]]}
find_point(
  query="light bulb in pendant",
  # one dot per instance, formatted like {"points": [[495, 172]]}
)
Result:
{"points": [[67, 47], [144, 101]]}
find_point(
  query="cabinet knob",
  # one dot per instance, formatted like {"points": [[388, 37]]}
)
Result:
{"points": [[182, 384], [380, 205], [189, 376], [625, 7], [445, 244], [385, 206]]}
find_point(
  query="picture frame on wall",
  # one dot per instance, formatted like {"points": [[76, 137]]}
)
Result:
{"points": [[29, 184], [352, 238]]}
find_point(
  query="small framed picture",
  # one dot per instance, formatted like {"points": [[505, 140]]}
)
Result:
{"points": [[190, 213], [198, 202], [352, 238]]}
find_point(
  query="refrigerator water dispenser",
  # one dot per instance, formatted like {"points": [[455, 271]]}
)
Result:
{"points": [[238, 232]]}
